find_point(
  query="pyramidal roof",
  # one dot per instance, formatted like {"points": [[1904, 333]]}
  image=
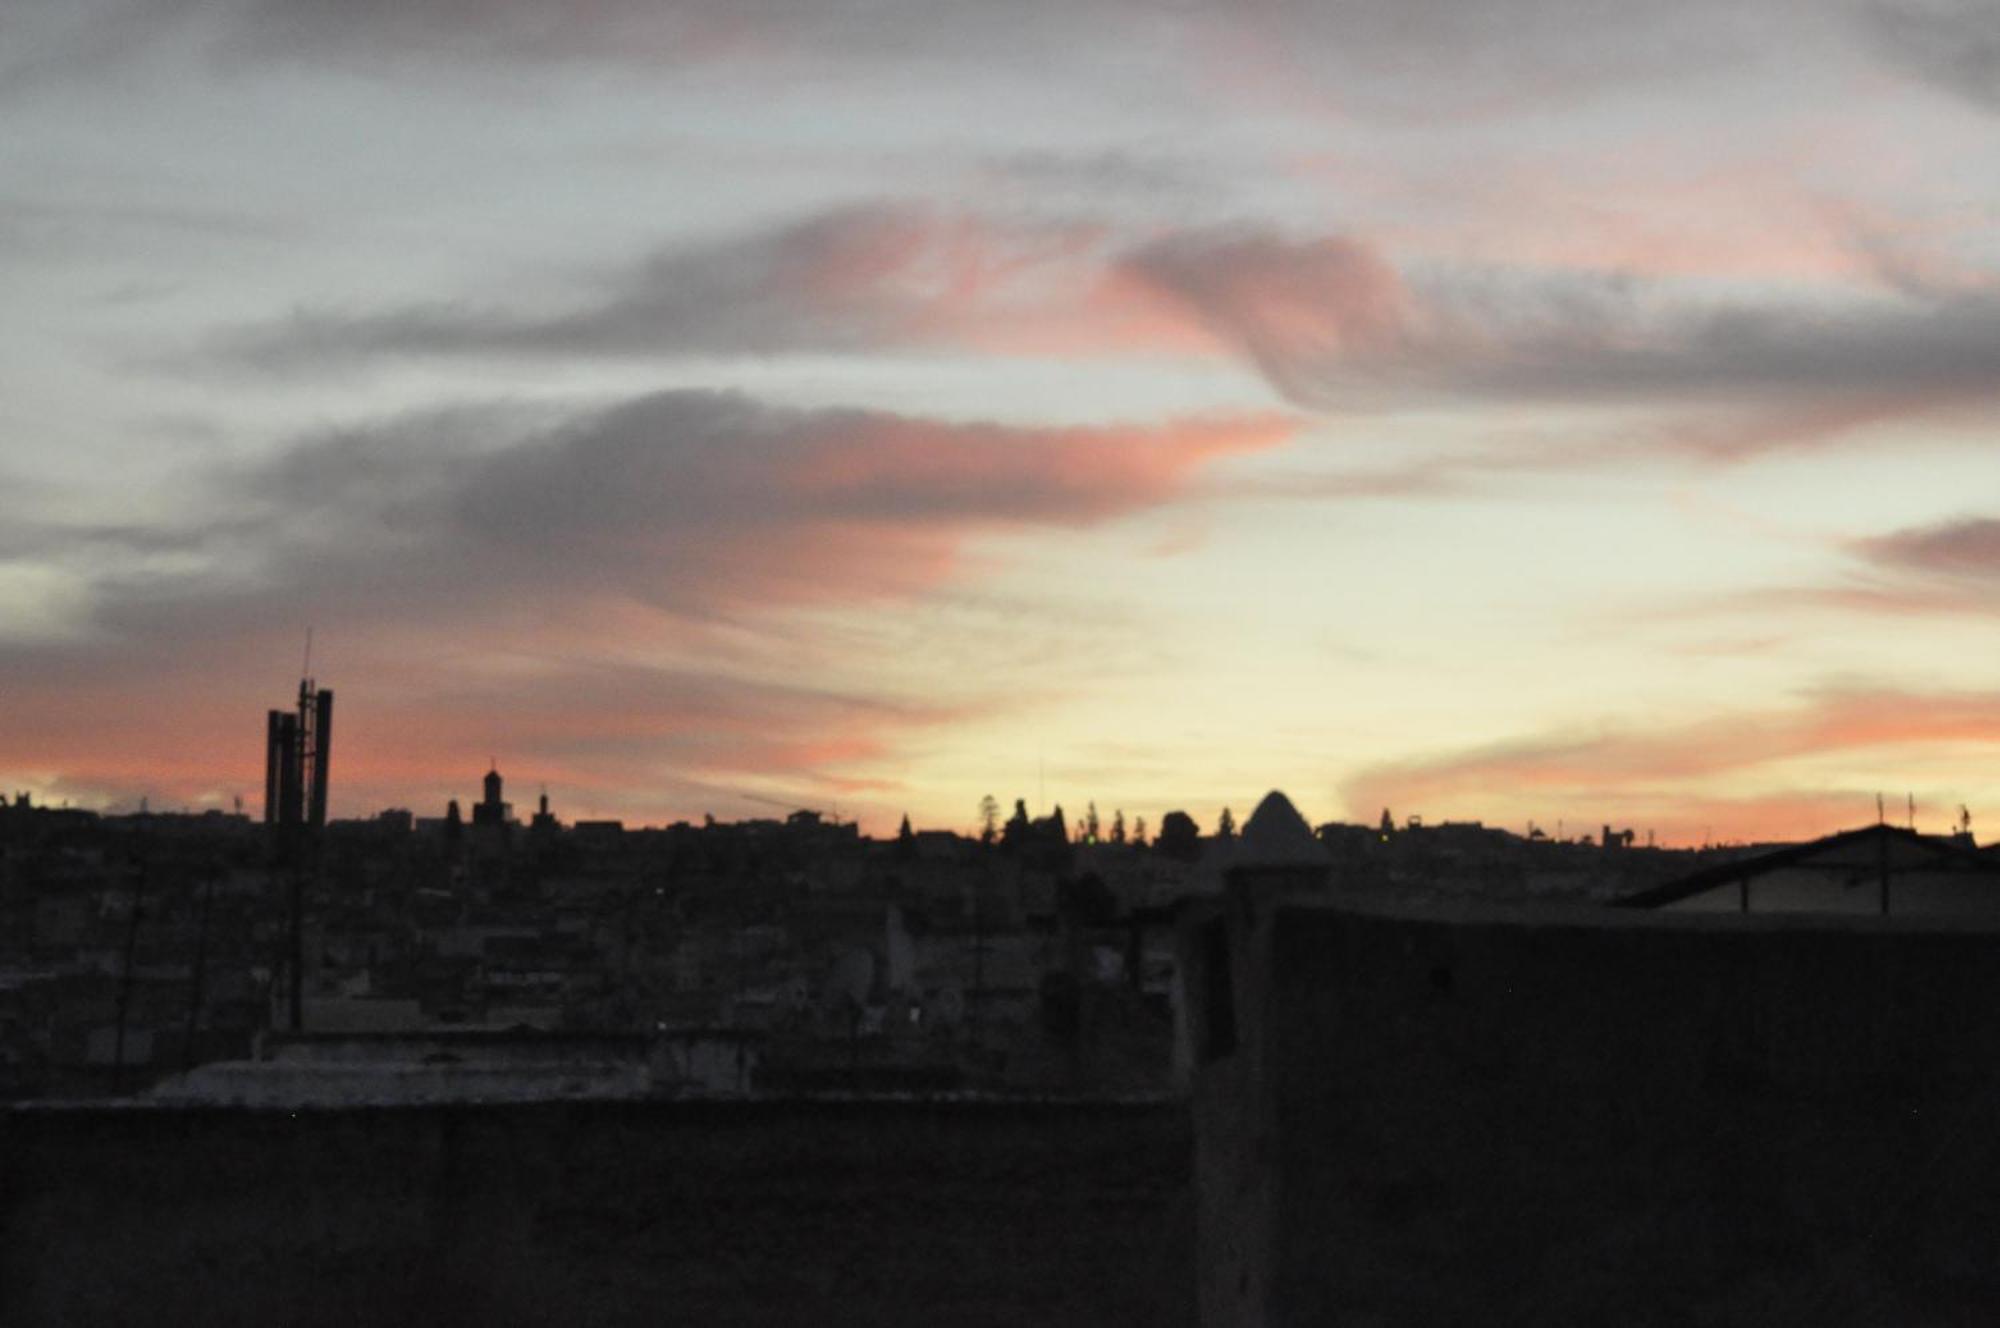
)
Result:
{"points": [[1277, 836]]}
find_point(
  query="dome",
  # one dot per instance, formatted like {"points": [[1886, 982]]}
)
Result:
{"points": [[1277, 836]]}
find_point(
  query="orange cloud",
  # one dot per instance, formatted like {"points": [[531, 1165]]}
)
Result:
{"points": [[570, 600]]}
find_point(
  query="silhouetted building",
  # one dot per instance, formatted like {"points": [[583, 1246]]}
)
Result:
{"points": [[297, 747], [281, 743], [1879, 869], [491, 810], [1277, 852], [544, 822]]}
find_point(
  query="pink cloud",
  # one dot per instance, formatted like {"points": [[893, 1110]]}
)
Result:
{"points": [[567, 599], [854, 279]]}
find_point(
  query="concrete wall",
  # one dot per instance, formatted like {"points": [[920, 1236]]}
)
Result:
{"points": [[699, 1213], [1604, 1118]]}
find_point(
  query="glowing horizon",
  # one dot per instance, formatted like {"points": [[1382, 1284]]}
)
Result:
{"points": [[1518, 412]]}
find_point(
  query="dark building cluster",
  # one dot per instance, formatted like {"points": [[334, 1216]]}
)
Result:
{"points": [[211, 957], [1389, 1043]]}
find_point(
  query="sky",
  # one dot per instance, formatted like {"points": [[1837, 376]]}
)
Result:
{"points": [[1552, 411]]}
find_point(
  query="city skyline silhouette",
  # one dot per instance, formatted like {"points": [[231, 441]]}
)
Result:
{"points": [[1068, 662]]}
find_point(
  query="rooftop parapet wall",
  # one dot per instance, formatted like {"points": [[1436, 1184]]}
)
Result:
{"points": [[866, 1212], [1600, 1118]]}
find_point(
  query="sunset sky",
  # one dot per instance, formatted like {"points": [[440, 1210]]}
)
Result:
{"points": [[1560, 409]]}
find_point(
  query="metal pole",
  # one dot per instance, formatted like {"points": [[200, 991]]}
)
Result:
{"points": [[131, 948]]}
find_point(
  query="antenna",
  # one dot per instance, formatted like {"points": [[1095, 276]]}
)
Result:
{"points": [[306, 668], [1880, 817], [1911, 799]]}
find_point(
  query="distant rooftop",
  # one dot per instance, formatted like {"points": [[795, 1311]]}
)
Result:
{"points": [[1853, 854]]}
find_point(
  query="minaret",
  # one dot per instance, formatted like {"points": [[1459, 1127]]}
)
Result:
{"points": [[544, 822], [491, 810]]}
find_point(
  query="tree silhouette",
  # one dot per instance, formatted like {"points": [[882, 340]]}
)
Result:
{"points": [[989, 819], [1179, 837], [1139, 831], [1118, 826], [1225, 825]]}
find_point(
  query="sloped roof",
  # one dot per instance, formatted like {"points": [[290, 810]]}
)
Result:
{"points": [[1277, 836], [1850, 850]]}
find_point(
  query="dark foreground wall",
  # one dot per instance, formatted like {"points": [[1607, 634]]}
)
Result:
{"points": [[1454, 1120], [713, 1214]]}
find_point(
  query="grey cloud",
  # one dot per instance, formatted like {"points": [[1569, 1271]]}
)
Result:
{"points": [[1948, 568], [1949, 346], [32, 228], [841, 280], [1333, 326], [1424, 60], [1954, 44], [48, 41], [534, 558], [1328, 320], [1301, 311], [525, 34], [1151, 177], [617, 31], [1401, 59], [1966, 549], [695, 503]]}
